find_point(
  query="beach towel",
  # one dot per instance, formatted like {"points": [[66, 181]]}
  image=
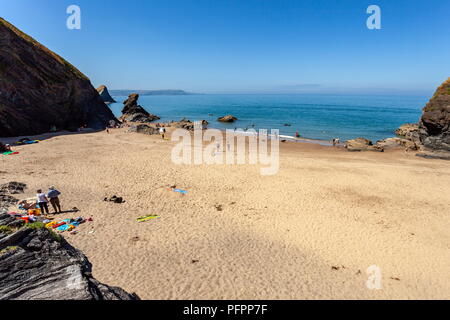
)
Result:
{"points": [[146, 218], [63, 228], [180, 191]]}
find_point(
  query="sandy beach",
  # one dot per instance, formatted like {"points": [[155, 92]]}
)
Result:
{"points": [[308, 232]]}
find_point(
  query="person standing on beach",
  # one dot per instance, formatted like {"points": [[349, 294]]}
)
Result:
{"points": [[42, 201], [53, 195]]}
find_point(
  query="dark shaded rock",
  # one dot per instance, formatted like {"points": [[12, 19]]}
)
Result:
{"points": [[40, 90], [228, 118], [12, 188], [6, 191], [132, 112], [104, 94], [362, 144], [3, 147]]}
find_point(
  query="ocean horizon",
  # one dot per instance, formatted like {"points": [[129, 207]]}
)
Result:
{"points": [[314, 116]]}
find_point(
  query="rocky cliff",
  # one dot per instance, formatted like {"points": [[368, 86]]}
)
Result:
{"points": [[39, 89], [133, 112], [37, 264], [434, 126], [104, 94]]}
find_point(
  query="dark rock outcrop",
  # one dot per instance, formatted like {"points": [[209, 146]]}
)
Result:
{"points": [[37, 264], [132, 112], [104, 94], [228, 118], [434, 126], [40, 90]]}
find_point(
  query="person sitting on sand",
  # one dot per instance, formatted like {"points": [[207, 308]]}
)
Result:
{"points": [[42, 201], [53, 195]]}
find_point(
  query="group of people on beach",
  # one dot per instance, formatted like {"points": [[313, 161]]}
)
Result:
{"points": [[52, 196]]}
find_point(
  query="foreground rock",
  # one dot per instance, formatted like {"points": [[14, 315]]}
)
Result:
{"points": [[40, 90], [228, 118], [104, 94], [37, 264], [361, 144], [132, 112]]}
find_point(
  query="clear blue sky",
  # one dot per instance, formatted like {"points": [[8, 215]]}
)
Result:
{"points": [[246, 45]]}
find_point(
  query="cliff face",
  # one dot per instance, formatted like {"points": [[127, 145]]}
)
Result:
{"points": [[39, 89], [434, 126], [104, 94]]}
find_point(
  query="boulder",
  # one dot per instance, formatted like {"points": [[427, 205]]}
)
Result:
{"points": [[40, 90], [228, 118], [7, 191], [104, 94], [3, 147], [362, 144], [408, 131], [393, 143], [133, 112], [434, 125]]}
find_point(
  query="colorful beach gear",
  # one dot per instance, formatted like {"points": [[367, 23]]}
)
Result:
{"points": [[147, 218]]}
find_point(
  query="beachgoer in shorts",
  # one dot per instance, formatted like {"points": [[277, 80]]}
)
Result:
{"points": [[42, 201], [53, 195]]}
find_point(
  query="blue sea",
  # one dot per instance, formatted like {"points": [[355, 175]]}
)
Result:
{"points": [[323, 117]]}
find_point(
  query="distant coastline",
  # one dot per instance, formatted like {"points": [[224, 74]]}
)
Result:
{"points": [[151, 92]]}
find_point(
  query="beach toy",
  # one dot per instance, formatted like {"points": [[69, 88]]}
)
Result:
{"points": [[50, 224], [34, 212], [146, 218]]}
